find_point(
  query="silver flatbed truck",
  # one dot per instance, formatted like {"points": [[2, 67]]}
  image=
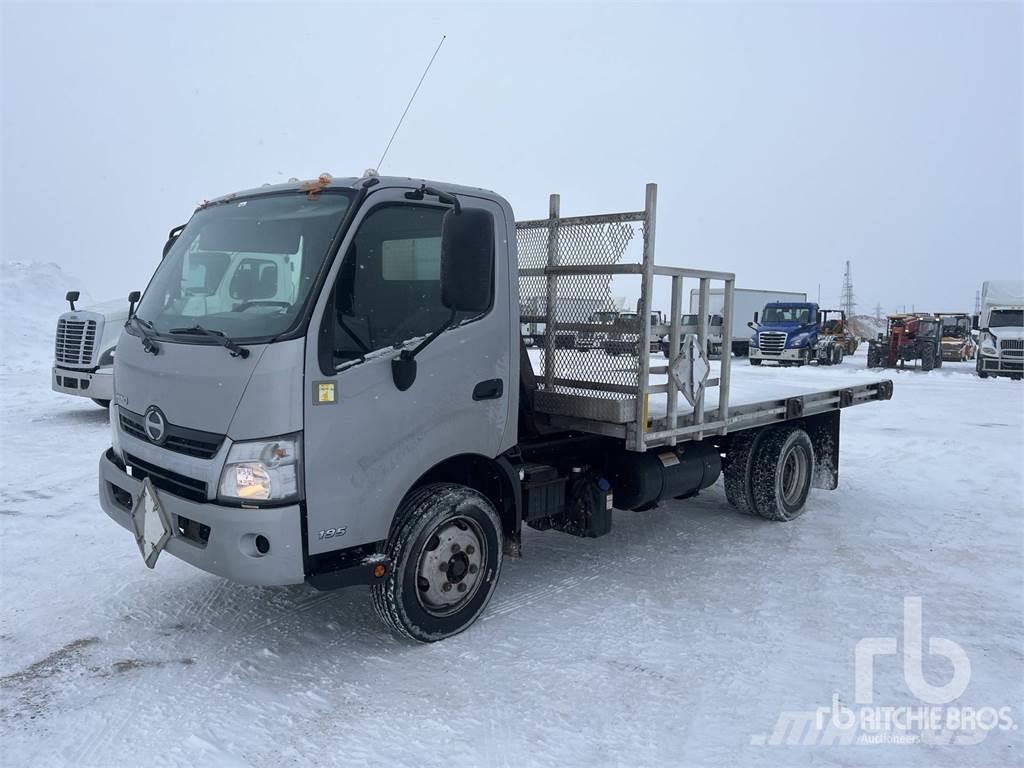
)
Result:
{"points": [[358, 407]]}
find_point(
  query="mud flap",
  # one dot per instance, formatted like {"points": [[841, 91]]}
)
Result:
{"points": [[823, 429]]}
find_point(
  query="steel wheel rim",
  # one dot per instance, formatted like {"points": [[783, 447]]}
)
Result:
{"points": [[794, 474], [454, 555]]}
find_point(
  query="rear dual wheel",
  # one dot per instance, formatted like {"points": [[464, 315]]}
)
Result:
{"points": [[769, 472]]}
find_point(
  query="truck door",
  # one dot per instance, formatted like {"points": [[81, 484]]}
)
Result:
{"points": [[365, 442]]}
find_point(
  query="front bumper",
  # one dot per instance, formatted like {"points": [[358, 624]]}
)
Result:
{"points": [[98, 384], [789, 355], [229, 547], [998, 364]]}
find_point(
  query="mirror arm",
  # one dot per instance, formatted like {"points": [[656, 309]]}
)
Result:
{"points": [[443, 197], [403, 367]]}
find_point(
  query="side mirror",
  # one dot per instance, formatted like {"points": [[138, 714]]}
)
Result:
{"points": [[133, 299], [71, 297], [755, 317], [467, 260], [974, 322]]}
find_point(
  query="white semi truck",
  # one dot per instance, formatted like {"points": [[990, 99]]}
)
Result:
{"points": [[748, 302], [1001, 323], [83, 349]]}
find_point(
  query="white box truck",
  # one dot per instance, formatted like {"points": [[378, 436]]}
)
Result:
{"points": [[748, 301], [1001, 342]]}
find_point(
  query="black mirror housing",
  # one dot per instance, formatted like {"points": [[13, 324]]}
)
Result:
{"points": [[133, 299], [467, 260], [71, 297]]}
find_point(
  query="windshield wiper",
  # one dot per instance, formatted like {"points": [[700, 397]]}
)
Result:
{"points": [[149, 342], [233, 347]]}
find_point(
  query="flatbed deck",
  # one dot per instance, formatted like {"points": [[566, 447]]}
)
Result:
{"points": [[757, 397]]}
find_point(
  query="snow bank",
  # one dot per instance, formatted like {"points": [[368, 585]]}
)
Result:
{"points": [[32, 297]]}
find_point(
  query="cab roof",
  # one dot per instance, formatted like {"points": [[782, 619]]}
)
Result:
{"points": [[326, 181]]}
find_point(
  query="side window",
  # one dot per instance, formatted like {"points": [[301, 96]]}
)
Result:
{"points": [[389, 287]]}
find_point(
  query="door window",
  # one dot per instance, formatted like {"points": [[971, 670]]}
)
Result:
{"points": [[388, 290]]}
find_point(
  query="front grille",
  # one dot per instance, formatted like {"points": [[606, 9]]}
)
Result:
{"points": [[191, 442], [75, 343], [166, 480], [771, 342], [1012, 347]]}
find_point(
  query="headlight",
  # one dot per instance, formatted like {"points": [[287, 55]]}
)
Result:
{"points": [[988, 345], [801, 340], [262, 470], [107, 358]]}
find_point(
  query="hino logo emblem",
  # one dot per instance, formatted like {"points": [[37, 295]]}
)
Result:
{"points": [[155, 424]]}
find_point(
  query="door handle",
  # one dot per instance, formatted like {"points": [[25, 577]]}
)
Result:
{"points": [[491, 389]]}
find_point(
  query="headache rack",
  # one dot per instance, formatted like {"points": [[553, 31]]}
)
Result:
{"points": [[596, 375]]}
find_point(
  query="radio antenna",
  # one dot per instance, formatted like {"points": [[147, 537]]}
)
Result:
{"points": [[422, 77]]}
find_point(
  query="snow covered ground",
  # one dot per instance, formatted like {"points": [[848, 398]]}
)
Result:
{"points": [[680, 639]]}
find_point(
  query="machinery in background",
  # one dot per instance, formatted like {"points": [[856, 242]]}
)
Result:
{"points": [[957, 342], [908, 339]]}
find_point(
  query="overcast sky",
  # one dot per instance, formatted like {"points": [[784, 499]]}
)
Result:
{"points": [[785, 138]]}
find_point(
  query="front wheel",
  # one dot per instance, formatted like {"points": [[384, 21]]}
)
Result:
{"points": [[445, 549], [101, 403], [755, 361]]}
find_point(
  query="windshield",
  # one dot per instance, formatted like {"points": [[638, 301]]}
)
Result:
{"points": [[956, 326], [1006, 318], [244, 268], [716, 320], [689, 320], [604, 317], [786, 315]]}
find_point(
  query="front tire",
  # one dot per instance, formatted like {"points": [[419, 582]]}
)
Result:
{"points": [[755, 361], [445, 548], [101, 403]]}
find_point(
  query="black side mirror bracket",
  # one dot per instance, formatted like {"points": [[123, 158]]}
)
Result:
{"points": [[133, 299], [172, 236], [403, 367]]}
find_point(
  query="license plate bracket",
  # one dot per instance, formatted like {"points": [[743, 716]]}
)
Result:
{"points": [[151, 524]]}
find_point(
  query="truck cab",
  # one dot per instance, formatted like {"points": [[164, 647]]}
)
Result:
{"points": [[786, 333], [1001, 322], [83, 350]]}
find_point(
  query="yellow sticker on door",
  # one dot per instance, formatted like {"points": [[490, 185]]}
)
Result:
{"points": [[324, 393]]}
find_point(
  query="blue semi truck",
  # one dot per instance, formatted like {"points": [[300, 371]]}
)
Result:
{"points": [[799, 333]]}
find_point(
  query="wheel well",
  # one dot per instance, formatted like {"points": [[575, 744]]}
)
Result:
{"points": [[482, 474]]}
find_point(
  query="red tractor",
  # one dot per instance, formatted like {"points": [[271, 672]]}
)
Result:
{"points": [[908, 338]]}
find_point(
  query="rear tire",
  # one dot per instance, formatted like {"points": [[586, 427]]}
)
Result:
{"points": [[443, 534], [783, 468], [755, 361], [873, 361], [739, 466], [101, 403]]}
